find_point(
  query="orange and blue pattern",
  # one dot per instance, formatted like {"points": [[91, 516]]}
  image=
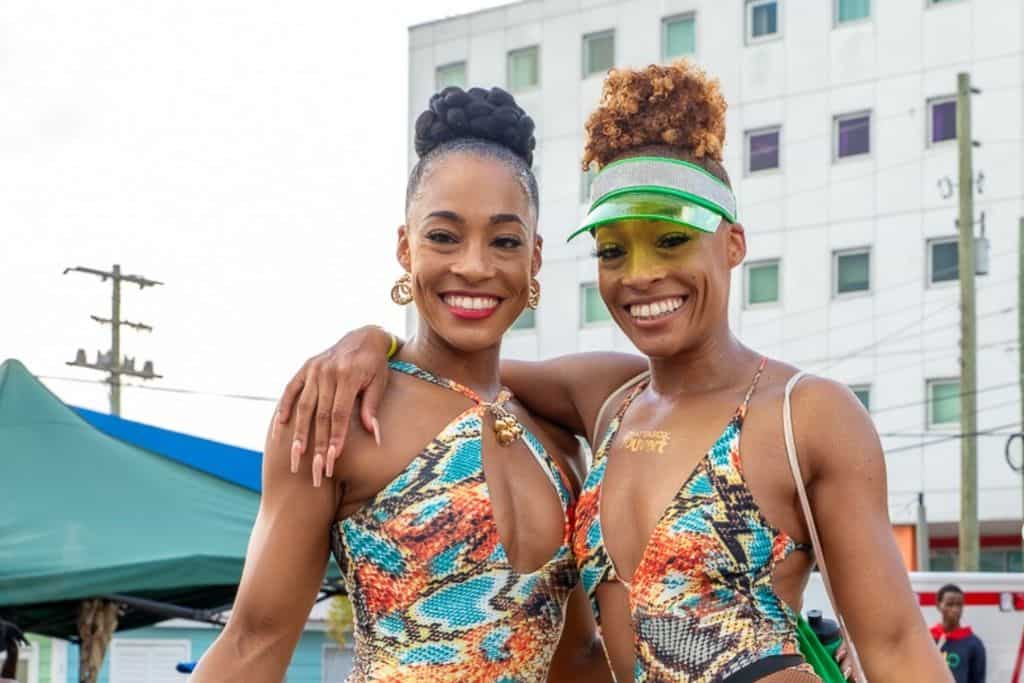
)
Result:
{"points": [[434, 595], [702, 602]]}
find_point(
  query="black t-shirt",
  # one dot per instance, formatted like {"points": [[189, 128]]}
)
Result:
{"points": [[964, 654]]}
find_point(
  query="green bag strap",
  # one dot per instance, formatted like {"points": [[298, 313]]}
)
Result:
{"points": [[816, 655]]}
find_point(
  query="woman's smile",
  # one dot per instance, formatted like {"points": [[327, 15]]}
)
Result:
{"points": [[470, 305]]}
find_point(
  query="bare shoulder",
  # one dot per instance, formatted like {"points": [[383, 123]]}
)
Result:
{"points": [[832, 430], [611, 403]]}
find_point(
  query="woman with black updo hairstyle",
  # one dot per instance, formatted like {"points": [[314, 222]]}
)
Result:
{"points": [[452, 525], [695, 546]]}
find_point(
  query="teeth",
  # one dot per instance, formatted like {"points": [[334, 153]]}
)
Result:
{"points": [[655, 309], [470, 302]]}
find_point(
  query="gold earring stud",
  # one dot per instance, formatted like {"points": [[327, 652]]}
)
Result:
{"points": [[401, 293], [533, 298]]}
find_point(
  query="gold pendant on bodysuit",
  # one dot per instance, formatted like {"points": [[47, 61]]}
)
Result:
{"points": [[651, 442], [507, 428]]}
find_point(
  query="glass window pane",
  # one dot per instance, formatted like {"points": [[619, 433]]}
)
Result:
{"points": [[942, 562], [527, 320], [451, 74], [764, 150], [598, 53], [863, 395], [854, 136], [594, 310], [523, 69], [764, 19], [943, 121], [851, 10], [1013, 561], [854, 273], [763, 283], [945, 257], [680, 37], [945, 402], [992, 561]]}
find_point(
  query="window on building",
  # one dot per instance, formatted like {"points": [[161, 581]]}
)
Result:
{"points": [[763, 282], [134, 660], [943, 402], [335, 663], [852, 10], [593, 309], [763, 149], [598, 53], [586, 180], [852, 135], [762, 20], [943, 259], [527, 320], [450, 74], [863, 394], [852, 271], [678, 36], [942, 560], [524, 69], [941, 119]]}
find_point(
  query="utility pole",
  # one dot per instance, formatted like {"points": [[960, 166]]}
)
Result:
{"points": [[922, 537], [1020, 350], [969, 542], [112, 362]]}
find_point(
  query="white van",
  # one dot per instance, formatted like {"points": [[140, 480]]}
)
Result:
{"points": [[993, 608]]}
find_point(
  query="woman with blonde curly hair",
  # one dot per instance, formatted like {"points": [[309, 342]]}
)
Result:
{"points": [[714, 466]]}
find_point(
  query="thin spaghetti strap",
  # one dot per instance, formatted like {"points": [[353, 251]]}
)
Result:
{"points": [[608, 401], [753, 385], [412, 370]]}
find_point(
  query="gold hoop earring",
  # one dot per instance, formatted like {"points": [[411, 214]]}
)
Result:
{"points": [[533, 298], [401, 293]]}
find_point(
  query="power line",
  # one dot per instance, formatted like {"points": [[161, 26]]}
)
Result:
{"points": [[889, 288], [951, 437], [996, 406], [173, 390], [870, 217]]}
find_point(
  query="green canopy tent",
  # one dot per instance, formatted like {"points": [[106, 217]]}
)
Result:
{"points": [[84, 515]]}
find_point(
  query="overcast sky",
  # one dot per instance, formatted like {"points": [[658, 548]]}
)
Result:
{"points": [[251, 155]]}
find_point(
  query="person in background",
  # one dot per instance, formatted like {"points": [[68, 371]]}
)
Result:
{"points": [[963, 650], [10, 637]]}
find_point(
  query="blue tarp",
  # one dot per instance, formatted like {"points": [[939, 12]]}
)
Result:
{"points": [[237, 465]]}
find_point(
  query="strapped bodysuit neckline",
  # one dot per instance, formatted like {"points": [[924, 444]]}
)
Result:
{"points": [[549, 466], [606, 442]]}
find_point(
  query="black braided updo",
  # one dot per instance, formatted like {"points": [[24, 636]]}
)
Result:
{"points": [[485, 122]]}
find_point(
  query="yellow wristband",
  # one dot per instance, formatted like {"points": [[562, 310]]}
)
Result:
{"points": [[394, 347]]}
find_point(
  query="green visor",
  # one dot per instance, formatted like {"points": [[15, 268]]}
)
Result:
{"points": [[658, 189], [650, 205]]}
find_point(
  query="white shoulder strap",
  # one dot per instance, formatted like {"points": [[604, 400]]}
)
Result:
{"points": [[812, 529], [628, 384]]}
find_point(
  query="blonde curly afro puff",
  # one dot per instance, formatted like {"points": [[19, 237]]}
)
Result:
{"points": [[676, 106]]}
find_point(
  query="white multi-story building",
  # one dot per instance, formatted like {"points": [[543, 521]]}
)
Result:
{"points": [[842, 151]]}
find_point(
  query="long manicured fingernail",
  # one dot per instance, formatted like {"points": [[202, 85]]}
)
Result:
{"points": [[331, 451], [318, 470], [376, 430], [296, 454]]}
